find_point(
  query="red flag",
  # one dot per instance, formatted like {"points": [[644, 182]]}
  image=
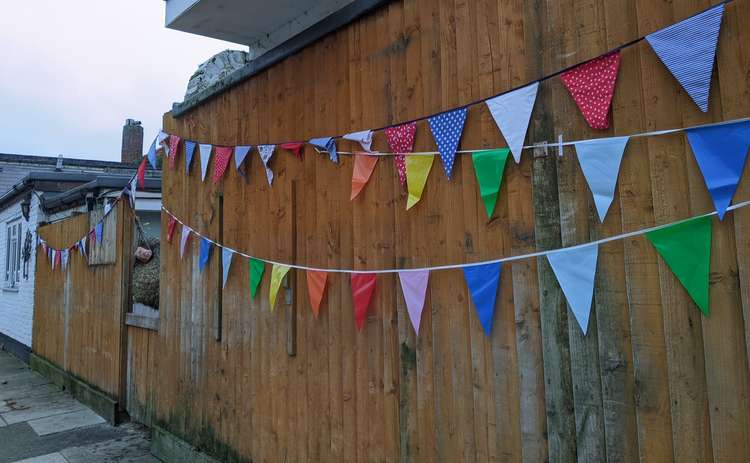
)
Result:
{"points": [[92, 238], [58, 259], [221, 161], [363, 285], [592, 85], [363, 167], [141, 173], [170, 228], [174, 145], [295, 148], [316, 286], [401, 140]]}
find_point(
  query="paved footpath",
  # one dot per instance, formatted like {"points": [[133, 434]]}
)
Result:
{"points": [[39, 423]]}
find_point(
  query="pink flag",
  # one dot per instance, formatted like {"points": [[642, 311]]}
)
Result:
{"points": [[174, 145], [295, 148], [401, 140], [592, 85], [221, 161], [170, 228], [414, 286]]}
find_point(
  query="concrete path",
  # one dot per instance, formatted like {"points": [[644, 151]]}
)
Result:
{"points": [[39, 423]]}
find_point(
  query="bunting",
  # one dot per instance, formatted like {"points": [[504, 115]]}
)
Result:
{"points": [[363, 167], [401, 140], [688, 49], [721, 153], [489, 166], [483, 281], [316, 287], [295, 148], [686, 248], [592, 85], [240, 153], [226, 263], [140, 174], [575, 270], [512, 113], [184, 237], [417, 170], [99, 231], [151, 154], [364, 138], [64, 257], [447, 129], [256, 268], [363, 287], [82, 246], [600, 162], [174, 146], [170, 228], [414, 287], [278, 272], [266, 151], [204, 152], [326, 144], [189, 151], [205, 253], [222, 155]]}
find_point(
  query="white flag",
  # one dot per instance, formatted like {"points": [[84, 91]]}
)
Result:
{"points": [[226, 262], [364, 138], [266, 151], [512, 112], [205, 155], [184, 238]]}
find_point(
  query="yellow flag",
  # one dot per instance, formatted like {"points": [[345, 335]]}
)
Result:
{"points": [[417, 169], [277, 274]]}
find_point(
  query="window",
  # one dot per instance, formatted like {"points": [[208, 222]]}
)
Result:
{"points": [[13, 253]]}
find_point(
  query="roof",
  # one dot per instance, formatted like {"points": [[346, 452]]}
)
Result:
{"points": [[77, 195]]}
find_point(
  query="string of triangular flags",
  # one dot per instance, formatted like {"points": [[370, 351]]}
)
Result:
{"points": [[686, 48], [684, 245]]}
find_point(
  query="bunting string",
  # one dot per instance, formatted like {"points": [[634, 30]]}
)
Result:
{"points": [[531, 255]]}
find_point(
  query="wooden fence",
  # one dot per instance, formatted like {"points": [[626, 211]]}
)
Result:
{"points": [[79, 313], [653, 380]]}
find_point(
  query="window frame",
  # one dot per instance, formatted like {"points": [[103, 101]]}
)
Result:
{"points": [[13, 251]]}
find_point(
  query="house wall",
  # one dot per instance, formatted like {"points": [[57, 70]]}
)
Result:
{"points": [[17, 304], [653, 380]]}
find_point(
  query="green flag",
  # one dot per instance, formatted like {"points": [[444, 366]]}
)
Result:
{"points": [[489, 166], [256, 274], [686, 248]]}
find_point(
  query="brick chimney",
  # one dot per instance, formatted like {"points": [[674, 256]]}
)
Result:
{"points": [[132, 142]]}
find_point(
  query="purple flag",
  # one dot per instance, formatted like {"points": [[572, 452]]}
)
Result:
{"points": [[414, 286]]}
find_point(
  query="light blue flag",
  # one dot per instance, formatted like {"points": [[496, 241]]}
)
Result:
{"points": [[721, 152], [240, 153], [152, 154], [688, 49], [447, 129], [99, 231], [483, 281], [226, 263], [205, 253], [575, 270], [600, 162], [189, 151], [204, 152], [327, 144]]}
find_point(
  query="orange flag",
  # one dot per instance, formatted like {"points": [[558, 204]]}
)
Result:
{"points": [[364, 164], [316, 286]]}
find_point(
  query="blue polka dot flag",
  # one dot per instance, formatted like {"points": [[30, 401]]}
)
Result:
{"points": [[447, 129]]}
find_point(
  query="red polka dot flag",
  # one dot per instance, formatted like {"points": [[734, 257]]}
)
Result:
{"points": [[592, 85], [401, 140], [221, 160]]}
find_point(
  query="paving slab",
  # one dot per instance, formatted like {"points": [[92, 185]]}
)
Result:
{"points": [[49, 458], [65, 422], [24, 391], [37, 407], [131, 448]]}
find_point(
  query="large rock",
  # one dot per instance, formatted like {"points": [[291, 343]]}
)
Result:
{"points": [[215, 69]]}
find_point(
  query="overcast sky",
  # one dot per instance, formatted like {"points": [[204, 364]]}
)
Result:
{"points": [[71, 72]]}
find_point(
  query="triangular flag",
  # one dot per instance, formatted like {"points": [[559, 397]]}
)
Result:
{"points": [[140, 174], [184, 237], [205, 253], [189, 151], [721, 152], [170, 228], [92, 238], [688, 49], [512, 112], [65, 255], [489, 166], [55, 258], [240, 153], [417, 169], [592, 85], [326, 144], [575, 270], [161, 140], [363, 166], [414, 287], [401, 140], [82, 246], [99, 231], [151, 154], [266, 151], [174, 145], [363, 286], [226, 263], [600, 162], [221, 160], [295, 148], [364, 138], [204, 154], [130, 191], [686, 248], [107, 207], [256, 274], [447, 129], [278, 272], [483, 281], [316, 287]]}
